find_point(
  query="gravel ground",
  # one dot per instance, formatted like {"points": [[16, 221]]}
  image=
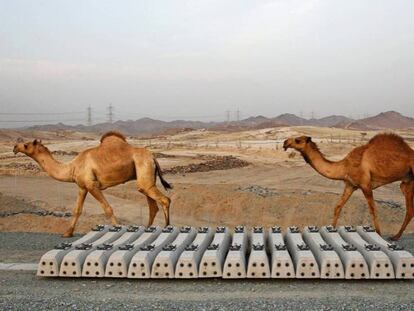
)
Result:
{"points": [[25, 291], [27, 247]]}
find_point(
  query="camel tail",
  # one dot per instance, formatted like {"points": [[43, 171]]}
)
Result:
{"points": [[158, 172], [412, 167], [412, 162]]}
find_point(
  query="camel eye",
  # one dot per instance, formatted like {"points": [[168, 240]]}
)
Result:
{"points": [[297, 140], [25, 146]]}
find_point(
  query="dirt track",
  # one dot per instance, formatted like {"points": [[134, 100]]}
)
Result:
{"points": [[212, 184], [202, 199], [273, 189]]}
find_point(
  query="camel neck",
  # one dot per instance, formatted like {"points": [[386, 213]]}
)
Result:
{"points": [[55, 169], [327, 168]]}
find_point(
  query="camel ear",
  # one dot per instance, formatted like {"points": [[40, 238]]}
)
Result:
{"points": [[308, 139], [35, 142], [19, 140]]}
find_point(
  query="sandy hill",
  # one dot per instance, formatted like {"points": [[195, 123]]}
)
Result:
{"points": [[384, 120], [252, 121], [143, 126], [10, 135], [290, 119], [330, 121], [148, 126]]}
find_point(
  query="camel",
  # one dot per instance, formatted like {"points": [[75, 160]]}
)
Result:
{"points": [[111, 163], [385, 159]]}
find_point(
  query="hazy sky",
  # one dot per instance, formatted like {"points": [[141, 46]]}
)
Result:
{"points": [[197, 59]]}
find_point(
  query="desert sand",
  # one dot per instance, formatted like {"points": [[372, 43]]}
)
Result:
{"points": [[270, 187]]}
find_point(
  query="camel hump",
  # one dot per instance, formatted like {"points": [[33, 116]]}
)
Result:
{"points": [[112, 134], [387, 137]]}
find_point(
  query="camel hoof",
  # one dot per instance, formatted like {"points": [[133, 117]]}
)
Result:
{"points": [[67, 235], [395, 238]]}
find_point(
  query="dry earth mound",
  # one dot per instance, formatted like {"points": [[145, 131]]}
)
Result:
{"points": [[215, 164]]}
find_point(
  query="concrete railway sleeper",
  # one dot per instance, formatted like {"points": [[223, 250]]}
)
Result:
{"points": [[379, 264], [73, 261], [402, 260], [330, 265], [96, 261], [118, 262], [139, 252], [235, 264], [303, 259], [50, 262], [281, 262], [141, 263], [189, 261], [211, 265], [166, 260], [354, 263], [258, 266]]}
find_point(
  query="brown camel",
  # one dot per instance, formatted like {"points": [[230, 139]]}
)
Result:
{"points": [[111, 163], [386, 158]]}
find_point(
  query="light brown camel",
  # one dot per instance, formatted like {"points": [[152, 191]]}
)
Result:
{"points": [[386, 158], [111, 163]]}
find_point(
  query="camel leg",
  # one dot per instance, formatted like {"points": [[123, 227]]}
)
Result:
{"points": [[371, 204], [153, 209], [348, 191], [146, 180], [163, 200], [77, 211], [407, 189], [98, 195]]}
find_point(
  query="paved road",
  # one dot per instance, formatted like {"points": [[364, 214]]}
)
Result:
{"points": [[25, 291]]}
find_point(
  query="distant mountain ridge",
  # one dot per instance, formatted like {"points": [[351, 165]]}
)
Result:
{"points": [[148, 126], [384, 120]]}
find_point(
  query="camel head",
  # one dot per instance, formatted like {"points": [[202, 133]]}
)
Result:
{"points": [[297, 143], [28, 148]]}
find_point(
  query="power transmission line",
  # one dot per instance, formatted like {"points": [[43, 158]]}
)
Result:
{"points": [[228, 116], [107, 114], [101, 116], [89, 115], [37, 121], [110, 113], [129, 114], [39, 113]]}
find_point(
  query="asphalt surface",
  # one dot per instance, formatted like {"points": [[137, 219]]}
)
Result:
{"points": [[24, 291]]}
